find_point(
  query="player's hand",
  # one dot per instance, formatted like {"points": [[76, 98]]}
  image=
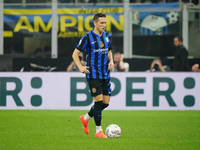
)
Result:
{"points": [[110, 65], [84, 69]]}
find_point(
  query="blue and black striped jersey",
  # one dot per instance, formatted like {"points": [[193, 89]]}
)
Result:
{"points": [[96, 48]]}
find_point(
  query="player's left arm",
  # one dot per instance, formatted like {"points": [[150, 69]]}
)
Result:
{"points": [[111, 63]]}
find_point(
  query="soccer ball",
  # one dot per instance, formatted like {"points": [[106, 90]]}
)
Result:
{"points": [[113, 131]]}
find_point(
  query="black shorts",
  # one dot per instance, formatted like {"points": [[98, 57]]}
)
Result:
{"points": [[99, 86]]}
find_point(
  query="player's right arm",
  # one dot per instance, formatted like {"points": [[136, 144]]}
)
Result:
{"points": [[75, 56]]}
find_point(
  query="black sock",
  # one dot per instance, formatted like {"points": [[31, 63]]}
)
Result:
{"points": [[90, 113], [104, 106], [97, 112]]}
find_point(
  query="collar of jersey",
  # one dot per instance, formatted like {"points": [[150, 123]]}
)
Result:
{"points": [[96, 34]]}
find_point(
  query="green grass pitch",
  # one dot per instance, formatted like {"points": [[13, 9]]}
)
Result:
{"points": [[62, 130]]}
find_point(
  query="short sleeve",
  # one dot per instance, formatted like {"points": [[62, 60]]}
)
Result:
{"points": [[82, 43]]}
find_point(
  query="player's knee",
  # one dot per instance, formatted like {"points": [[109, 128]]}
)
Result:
{"points": [[98, 98]]}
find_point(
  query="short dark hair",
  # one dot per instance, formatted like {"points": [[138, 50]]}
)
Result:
{"points": [[180, 38], [98, 15]]}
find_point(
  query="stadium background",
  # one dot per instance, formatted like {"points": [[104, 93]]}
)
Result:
{"points": [[29, 33], [40, 110]]}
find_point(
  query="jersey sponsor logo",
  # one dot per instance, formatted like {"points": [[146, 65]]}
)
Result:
{"points": [[103, 50]]}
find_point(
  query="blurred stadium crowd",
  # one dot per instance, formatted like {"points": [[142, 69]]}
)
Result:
{"points": [[39, 47]]}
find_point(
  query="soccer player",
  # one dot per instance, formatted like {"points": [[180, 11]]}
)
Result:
{"points": [[97, 45]]}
